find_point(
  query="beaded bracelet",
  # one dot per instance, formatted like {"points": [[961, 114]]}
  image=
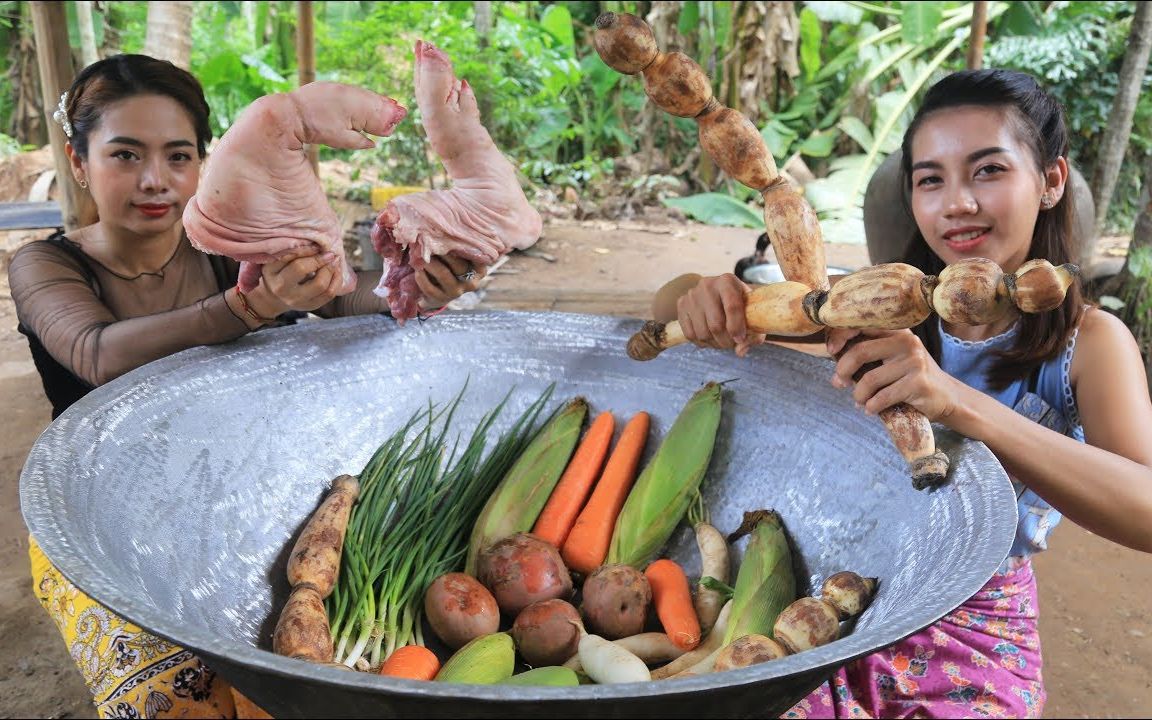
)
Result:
{"points": [[250, 312]]}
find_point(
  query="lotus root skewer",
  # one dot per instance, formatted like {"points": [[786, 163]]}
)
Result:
{"points": [[678, 85]]}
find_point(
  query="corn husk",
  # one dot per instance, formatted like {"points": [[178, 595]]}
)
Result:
{"points": [[669, 482], [549, 675], [522, 494], [765, 583], [485, 660]]}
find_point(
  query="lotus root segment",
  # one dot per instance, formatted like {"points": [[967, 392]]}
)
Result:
{"points": [[778, 309], [736, 145], [911, 433], [1037, 286], [677, 85], [624, 42], [971, 292], [890, 296], [795, 234]]}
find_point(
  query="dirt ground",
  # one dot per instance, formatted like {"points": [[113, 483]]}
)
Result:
{"points": [[1097, 614]]}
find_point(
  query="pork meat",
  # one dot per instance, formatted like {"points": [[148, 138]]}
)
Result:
{"points": [[483, 215], [259, 198]]}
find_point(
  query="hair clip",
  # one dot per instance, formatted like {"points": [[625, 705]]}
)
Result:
{"points": [[61, 115]]}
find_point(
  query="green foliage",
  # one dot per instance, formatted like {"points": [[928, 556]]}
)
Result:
{"points": [[562, 116], [9, 146], [1076, 51], [717, 209], [232, 70]]}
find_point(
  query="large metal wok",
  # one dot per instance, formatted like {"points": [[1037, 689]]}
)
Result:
{"points": [[172, 494]]}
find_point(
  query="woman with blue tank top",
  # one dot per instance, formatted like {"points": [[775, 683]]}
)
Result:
{"points": [[1061, 398]]}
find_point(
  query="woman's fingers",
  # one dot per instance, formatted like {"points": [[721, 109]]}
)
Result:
{"points": [[712, 313], [876, 380]]}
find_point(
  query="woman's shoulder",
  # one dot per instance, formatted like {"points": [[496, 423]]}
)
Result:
{"points": [[56, 249], [1101, 341]]}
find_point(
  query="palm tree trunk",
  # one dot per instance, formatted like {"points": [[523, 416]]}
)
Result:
{"points": [[1114, 144], [86, 31], [169, 33]]}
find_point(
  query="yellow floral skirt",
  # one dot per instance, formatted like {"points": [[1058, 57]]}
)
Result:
{"points": [[130, 673]]}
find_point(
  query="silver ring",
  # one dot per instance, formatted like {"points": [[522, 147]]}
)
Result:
{"points": [[466, 276]]}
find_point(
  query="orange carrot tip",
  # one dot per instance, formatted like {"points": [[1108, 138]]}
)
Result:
{"points": [[414, 662], [672, 599]]}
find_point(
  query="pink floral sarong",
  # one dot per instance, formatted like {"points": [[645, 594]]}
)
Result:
{"points": [[980, 660]]}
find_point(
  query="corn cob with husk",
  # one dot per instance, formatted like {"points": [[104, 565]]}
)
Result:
{"points": [[766, 583], [669, 482], [522, 494], [484, 660]]}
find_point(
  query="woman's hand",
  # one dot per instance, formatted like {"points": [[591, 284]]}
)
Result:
{"points": [[907, 373], [711, 314], [304, 280], [446, 278]]}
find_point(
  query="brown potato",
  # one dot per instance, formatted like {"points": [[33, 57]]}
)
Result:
{"points": [[522, 569], [616, 600], [459, 609], [547, 632]]}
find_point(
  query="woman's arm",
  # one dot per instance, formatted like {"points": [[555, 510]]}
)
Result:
{"points": [[55, 301], [1104, 486]]}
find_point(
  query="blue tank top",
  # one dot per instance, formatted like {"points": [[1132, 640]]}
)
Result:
{"points": [[1045, 397]]}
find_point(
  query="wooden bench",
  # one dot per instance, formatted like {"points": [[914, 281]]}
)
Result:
{"points": [[30, 215]]}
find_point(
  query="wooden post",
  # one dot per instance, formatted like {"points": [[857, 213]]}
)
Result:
{"points": [[306, 62], [54, 59], [977, 34]]}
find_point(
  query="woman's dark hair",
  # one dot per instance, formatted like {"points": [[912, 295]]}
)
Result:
{"points": [[1037, 119], [123, 76]]}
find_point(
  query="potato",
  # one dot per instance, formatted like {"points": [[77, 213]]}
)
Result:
{"points": [[459, 609], [547, 632], [522, 569], [616, 600]]}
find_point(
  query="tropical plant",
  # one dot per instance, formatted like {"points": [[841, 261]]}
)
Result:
{"points": [[864, 67], [1076, 50]]}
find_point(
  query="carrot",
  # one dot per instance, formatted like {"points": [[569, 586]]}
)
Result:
{"points": [[587, 544], [567, 499], [673, 601], [414, 662]]}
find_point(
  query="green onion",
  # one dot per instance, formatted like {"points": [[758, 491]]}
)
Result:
{"points": [[412, 524]]}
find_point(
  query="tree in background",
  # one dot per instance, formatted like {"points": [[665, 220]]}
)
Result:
{"points": [[169, 34], [1114, 144]]}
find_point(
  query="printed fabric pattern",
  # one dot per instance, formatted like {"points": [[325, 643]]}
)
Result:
{"points": [[982, 660], [130, 673]]}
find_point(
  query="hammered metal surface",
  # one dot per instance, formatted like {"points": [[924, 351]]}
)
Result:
{"points": [[171, 495]]}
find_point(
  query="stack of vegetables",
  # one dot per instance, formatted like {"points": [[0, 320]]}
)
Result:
{"points": [[545, 552]]}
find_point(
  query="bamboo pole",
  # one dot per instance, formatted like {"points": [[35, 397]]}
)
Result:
{"points": [[54, 59], [977, 34], [306, 62]]}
